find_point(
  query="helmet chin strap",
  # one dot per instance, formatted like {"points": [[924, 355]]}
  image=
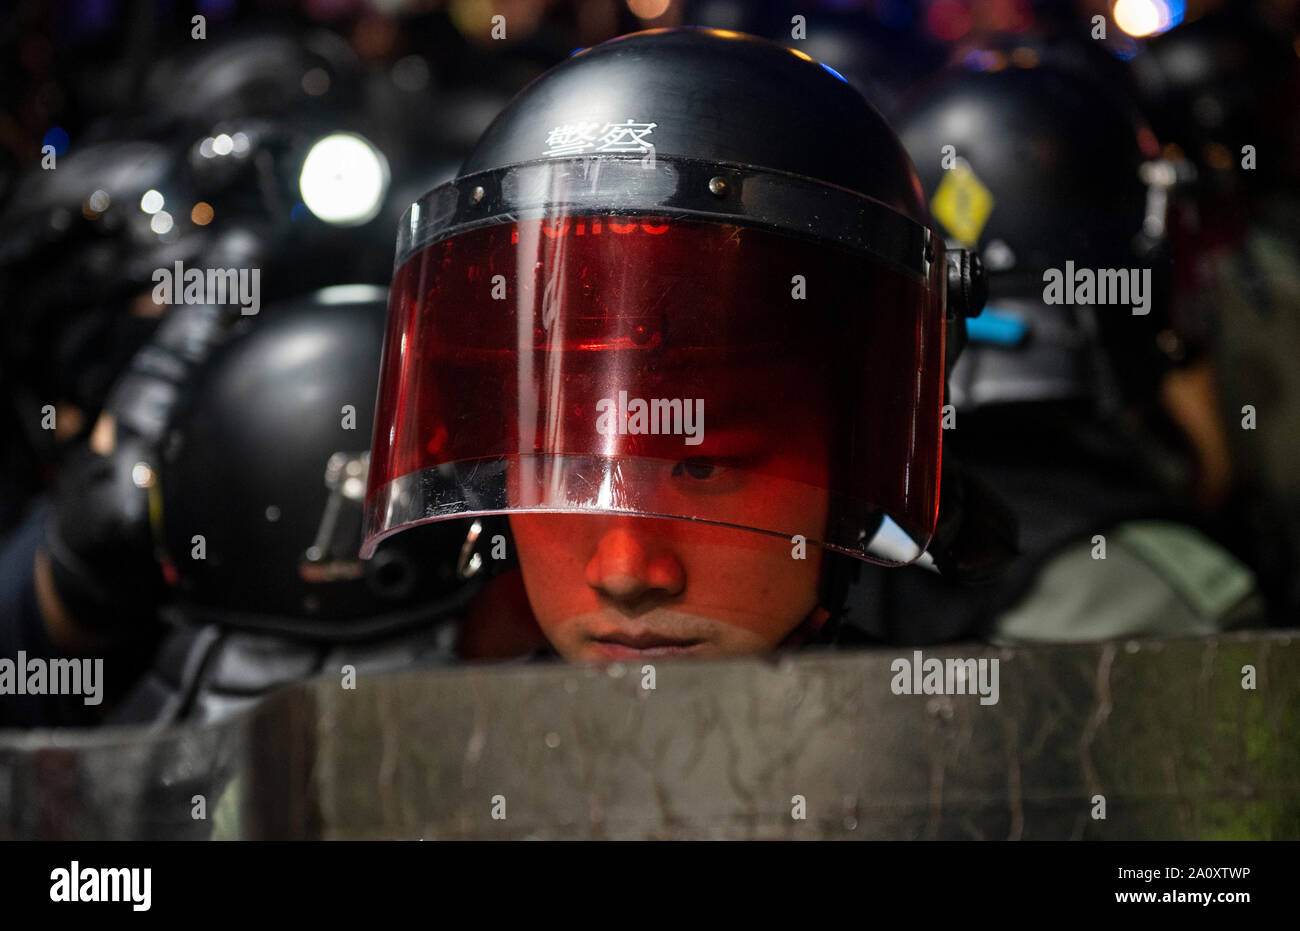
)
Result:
{"points": [[977, 534], [975, 540]]}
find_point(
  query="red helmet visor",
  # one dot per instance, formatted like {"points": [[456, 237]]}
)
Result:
{"points": [[663, 366]]}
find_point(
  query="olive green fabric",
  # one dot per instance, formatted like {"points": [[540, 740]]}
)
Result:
{"points": [[1157, 579], [225, 817]]}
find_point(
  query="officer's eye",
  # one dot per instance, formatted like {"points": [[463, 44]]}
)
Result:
{"points": [[698, 467], [716, 474], [710, 475]]}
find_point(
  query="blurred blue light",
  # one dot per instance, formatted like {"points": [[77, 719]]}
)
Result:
{"points": [[216, 8], [577, 50], [1122, 47], [998, 327], [980, 60], [57, 138], [833, 71], [299, 212], [896, 14], [86, 17]]}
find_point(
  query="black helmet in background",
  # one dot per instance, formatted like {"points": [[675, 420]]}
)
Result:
{"points": [[280, 125], [78, 251], [256, 151], [881, 55], [679, 254], [1225, 82], [260, 481], [1050, 174], [254, 73]]}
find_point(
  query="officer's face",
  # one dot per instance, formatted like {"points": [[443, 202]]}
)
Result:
{"points": [[619, 586], [615, 587]]}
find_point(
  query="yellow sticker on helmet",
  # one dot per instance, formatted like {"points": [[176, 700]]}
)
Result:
{"points": [[962, 203]]}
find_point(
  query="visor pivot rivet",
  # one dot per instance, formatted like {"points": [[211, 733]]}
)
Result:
{"points": [[718, 187], [477, 194]]}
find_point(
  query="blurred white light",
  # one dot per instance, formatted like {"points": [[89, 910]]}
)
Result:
{"points": [[151, 201], [161, 222], [241, 143], [205, 147], [223, 144], [141, 475], [351, 294], [344, 179], [1142, 17], [99, 201]]}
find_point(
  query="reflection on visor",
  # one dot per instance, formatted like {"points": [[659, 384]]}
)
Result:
{"points": [[662, 367]]}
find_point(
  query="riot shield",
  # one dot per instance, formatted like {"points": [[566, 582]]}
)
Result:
{"points": [[1141, 739]]}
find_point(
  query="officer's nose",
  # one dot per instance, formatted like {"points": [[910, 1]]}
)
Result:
{"points": [[630, 565]]}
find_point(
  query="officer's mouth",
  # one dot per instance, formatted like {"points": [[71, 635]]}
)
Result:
{"points": [[621, 645]]}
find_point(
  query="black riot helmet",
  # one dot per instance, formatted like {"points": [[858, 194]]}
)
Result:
{"points": [[260, 482], [280, 126], [82, 248], [77, 249], [254, 73], [1057, 180], [678, 252], [1225, 90]]}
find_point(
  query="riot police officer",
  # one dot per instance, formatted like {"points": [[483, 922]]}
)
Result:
{"points": [[1056, 398], [682, 319], [221, 562]]}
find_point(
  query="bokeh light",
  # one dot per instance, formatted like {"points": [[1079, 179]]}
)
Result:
{"points": [[344, 179], [57, 137], [1148, 17]]}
